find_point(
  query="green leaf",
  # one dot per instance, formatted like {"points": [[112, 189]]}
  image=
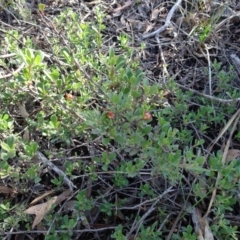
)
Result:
{"points": [[54, 121], [115, 98], [133, 152], [120, 140], [66, 54], [41, 7], [139, 76], [5, 146], [12, 153], [120, 63], [112, 156], [31, 148], [129, 73], [105, 167], [111, 53], [4, 156], [37, 59], [29, 56], [196, 169], [55, 74], [147, 129], [11, 141]]}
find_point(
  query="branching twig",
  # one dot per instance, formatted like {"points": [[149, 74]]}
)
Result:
{"points": [[144, 203], [167, 22], [8, 55], [14, 72], [44, 160], [208, 96], [60, 231], [152, 208]]}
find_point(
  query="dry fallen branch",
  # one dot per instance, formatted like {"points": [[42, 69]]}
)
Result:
{"points": [[44, 160], [119, 9], [137, 225], [167, 22], [14, 72], [208, 96], [8, 55], [60, 231], [227, 20]]}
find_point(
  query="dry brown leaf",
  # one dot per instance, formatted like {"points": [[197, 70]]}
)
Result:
{"points": [[26, 134], [89, 188], [149, 28], [154, 14], [201, 226], [119, 9], [69, 206], [23, 110], [36, 200], [136, 24], [63, 196], [122, 20], [232, 154], [128, 27], [133, 237], [20, 236], [42, 209], [6, 190], [120, 215]]}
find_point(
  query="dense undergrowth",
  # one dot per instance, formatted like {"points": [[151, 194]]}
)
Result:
{"points": [[135, 153]]}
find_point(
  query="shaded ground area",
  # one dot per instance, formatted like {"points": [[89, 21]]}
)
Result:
{"points": [[194, 61]]}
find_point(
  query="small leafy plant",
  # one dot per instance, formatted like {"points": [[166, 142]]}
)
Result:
{"points": [[98, 119]]}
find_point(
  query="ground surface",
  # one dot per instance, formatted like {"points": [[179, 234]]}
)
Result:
{"points": [[199, 52]]}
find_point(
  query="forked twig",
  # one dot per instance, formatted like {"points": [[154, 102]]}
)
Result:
{"points": [[44, 160], [152, 208], [167, 22], [14, 72], [208, 96]]}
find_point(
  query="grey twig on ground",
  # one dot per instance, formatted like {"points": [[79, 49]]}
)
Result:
{"points": [[44, 160], [167, 22], [137, 225], [225, 101]]}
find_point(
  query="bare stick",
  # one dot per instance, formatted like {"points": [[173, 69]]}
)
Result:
{"points": [[167, 22], [44, 160], [225, 101], [14, 72], [152, 208], [8, 55], [60, 231]]}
